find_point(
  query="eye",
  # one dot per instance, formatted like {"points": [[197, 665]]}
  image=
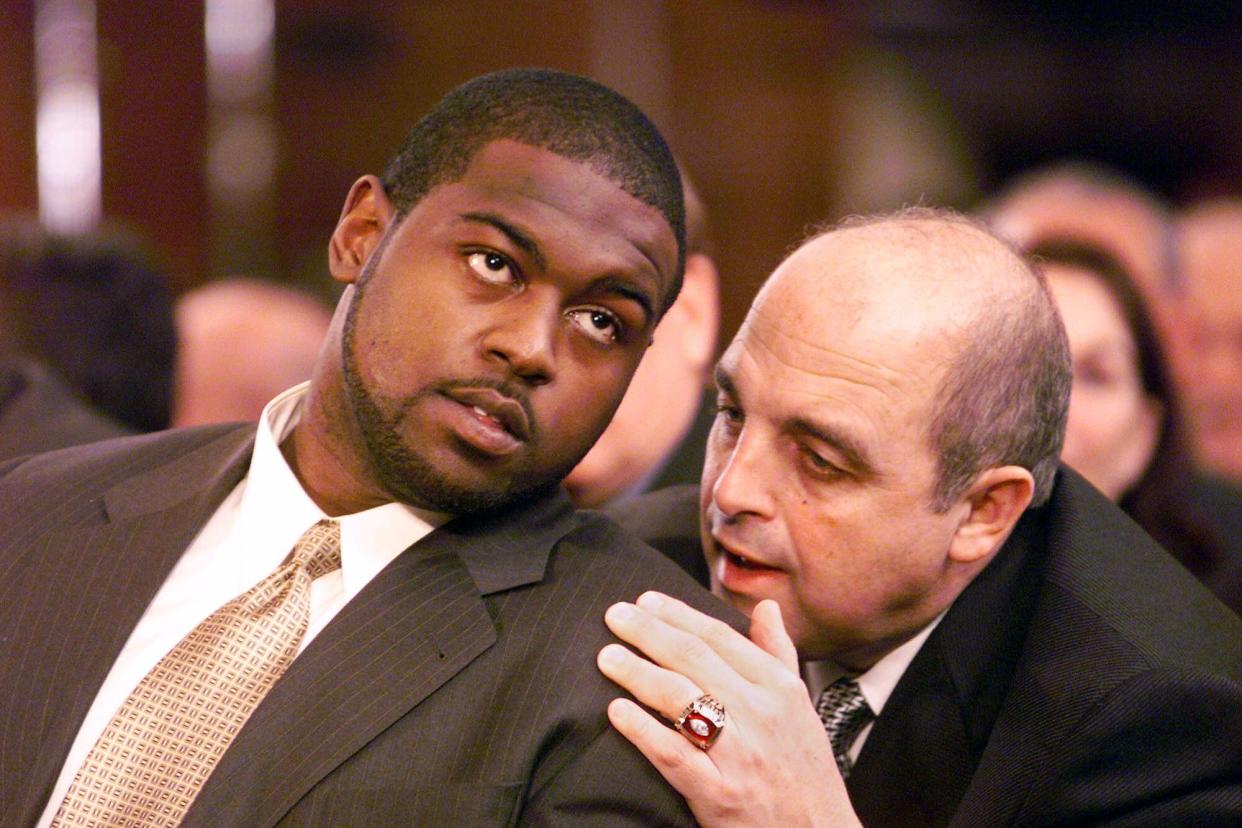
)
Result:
{"points": [[492, 267], [731, 414], [597, 323], [818, 464]]}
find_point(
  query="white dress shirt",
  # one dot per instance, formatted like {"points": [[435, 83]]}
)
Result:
{"points": [[248, 536], [876, 685]]}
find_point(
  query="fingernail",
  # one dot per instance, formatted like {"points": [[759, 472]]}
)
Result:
{"points": [[610, 655], [622, 612], [651, 600]]}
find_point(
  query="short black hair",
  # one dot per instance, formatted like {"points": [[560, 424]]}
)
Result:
{"points": [[563, 113]]}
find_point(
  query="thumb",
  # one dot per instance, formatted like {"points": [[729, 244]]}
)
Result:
{"points": [[767, 631]]}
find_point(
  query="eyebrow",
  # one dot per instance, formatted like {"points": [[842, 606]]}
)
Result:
{"points": [[854, 454], [520, 239]]}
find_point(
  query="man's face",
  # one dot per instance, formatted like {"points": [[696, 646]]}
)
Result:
{"points": [[1213, 265], [819, 476], [494, 329], [1113, 424]]}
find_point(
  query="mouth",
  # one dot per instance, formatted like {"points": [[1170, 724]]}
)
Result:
{"points": [[490, 420], [738, 560]]}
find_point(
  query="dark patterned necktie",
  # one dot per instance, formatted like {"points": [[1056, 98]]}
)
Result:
{"points": [[844, 712], [163, 743]]}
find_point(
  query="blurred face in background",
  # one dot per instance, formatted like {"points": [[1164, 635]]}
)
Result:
{"points": [[1212, 262], [1114, 424]]}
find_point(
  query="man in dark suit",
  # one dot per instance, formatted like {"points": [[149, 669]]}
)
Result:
{"points": [[987, 640], [503, 280]]}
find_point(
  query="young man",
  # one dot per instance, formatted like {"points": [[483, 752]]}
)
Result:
{"points": [[432, 666]]}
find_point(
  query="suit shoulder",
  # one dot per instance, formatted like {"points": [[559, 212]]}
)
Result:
{"points": [[70, 472], [1132, 589], [635, 567], [668, 519]]}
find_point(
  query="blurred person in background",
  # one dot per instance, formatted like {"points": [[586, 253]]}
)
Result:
{"points": [[97, 310], [658, 434], [240, 343], [1101, 206], [1126, 432], [1091, 202], [38, 412], [1210, 243]]}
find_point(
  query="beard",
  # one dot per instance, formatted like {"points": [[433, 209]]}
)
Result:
{"points": [[407, 474]]}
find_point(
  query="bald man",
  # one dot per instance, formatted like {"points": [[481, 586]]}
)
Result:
{"points": [[1208, 234], [240, 343], [985, 638]]}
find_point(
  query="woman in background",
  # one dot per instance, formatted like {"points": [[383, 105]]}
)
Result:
{"points": [[1126, 433]]}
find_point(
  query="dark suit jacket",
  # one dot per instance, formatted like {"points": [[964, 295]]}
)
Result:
{"points": [[1084, 678], [38, 412], [458, 687]]}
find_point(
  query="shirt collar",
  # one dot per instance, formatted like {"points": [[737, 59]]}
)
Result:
{"points": [[275, 510], [878, 682]]}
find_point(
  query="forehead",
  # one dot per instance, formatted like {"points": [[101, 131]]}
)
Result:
{"points": [[1083, 300], [564, 205], [1213, 260], [831, 336]]}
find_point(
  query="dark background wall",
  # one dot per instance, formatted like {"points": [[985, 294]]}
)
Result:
{"points": [[785, 112]]}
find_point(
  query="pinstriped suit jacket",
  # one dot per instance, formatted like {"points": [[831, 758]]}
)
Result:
{"points": [[459, 687]]}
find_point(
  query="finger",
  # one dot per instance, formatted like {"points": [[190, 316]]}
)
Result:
{"points": [[767, 630], [685, 767], [677, 650], [659, 689], [742, 655]]}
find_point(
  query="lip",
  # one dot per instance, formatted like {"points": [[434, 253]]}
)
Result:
{"points": [[505, 410], [741, 560]]}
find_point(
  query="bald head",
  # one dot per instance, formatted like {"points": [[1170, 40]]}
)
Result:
{"points": [[939, 301], [1093, 204], [241, 342]]}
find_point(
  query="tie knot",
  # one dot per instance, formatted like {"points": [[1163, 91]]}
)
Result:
{"points": [[318, 551], [844, 712]]}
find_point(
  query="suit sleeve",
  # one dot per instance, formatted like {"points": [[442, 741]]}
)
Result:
{"points": [[610, 784]]}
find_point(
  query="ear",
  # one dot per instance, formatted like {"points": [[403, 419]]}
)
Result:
{"points": [[364, 219], [696, 313], [993, 503]]}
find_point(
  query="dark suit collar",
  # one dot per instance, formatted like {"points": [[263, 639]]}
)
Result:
{"points": [[206, 473], [415, 626], [496, 558], [921, 754], [509, 549], [418, 623]]}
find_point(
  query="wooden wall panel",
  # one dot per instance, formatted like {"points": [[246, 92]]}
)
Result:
{"points": [[18, 177], [153, 119]]}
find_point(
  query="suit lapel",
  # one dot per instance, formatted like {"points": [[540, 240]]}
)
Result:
{"points": [[920, 758], [415, 626], [109, 573]]}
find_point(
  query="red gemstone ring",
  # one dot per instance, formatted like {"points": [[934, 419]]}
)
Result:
{"points": [[701, 721]]}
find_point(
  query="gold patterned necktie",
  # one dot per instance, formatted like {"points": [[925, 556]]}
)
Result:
{"points": [[844, 712], [163, 743]]}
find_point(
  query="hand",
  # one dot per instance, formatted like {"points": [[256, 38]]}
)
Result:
{"points": [[772, 763]]}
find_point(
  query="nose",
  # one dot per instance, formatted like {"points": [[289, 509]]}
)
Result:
{"points": [[741, 473], [522, 337]]}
